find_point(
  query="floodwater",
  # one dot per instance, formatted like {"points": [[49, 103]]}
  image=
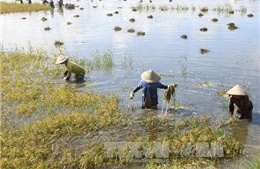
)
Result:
{"points": [[233, 56]]}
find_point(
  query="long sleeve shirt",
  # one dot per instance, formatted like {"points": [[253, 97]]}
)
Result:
{"points": [[74, 68], [152, 88]]}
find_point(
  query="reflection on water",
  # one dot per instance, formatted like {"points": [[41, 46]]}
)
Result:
{"points": [[233, 56]]}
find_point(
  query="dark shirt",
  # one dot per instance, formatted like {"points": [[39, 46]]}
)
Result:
{"points": [[243, 104], [152, 88]]}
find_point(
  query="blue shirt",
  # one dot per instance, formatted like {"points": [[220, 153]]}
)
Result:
{"points": [[152, 88]]}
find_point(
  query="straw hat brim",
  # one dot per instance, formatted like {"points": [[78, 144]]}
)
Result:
{"points": [[237, 90], [61, 59], [150, 76]]}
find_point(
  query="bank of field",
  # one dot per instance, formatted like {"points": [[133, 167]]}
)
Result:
{"points": [[18, 7], [48, 123]]}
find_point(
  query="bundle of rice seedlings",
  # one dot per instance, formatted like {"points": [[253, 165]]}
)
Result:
{"points": [[169, 92]]}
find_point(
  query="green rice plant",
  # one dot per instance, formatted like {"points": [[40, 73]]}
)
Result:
{"points": [[17, 7], [128, 61], [204, 9]]}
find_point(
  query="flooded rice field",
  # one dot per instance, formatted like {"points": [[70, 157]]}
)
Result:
{"points": [[211, 57]]}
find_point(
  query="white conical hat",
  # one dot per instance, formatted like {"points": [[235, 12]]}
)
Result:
{"points": [[150, 76], [61, 59], [237, 90]]}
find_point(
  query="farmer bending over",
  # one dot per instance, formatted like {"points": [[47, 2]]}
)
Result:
{"points": [[238, 97], [72, 68], [150, 83]]}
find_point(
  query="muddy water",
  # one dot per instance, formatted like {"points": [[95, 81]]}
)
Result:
{"points": [[233, 56]]}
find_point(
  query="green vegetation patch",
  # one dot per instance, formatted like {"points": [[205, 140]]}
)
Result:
{"points": [[17, 7]]}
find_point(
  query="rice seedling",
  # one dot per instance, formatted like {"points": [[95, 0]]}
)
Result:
{"points": [[150, 16], [69, 23], [44, 19], [232, 26], [76, 16], [17, 7], [109, 14], [200, 14]]}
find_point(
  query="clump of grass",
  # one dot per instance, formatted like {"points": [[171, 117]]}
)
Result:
{"points": [[69, 23], [214, 20], [207, 84], [76, 16], [200, 14], [250, 15], [101, 61], [44, 19], [132, 20], [232, 26], [150, 16], [184, 36], [204, 9], [131, 30], [17, 7], [204, 29], [47, 28], [140, 33], [58, 43], [109, 14], [117, 28]]}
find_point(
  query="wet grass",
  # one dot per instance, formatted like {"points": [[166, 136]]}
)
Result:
{"points": [[17, 7], [67, 127]]}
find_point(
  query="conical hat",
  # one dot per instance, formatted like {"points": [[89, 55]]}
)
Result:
{"points": [[150, 76], [61, 59], [237, 90]]}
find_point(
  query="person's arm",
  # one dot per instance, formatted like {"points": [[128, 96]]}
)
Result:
{"points": [[138, 87]]}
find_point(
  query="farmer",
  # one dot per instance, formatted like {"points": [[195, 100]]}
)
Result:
{"points": [[149, 83], [239, 98], [72, 68], [52, 4]]}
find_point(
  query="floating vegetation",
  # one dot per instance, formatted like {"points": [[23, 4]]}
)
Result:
{"points": [[131, 30], [95, 6], [69, 6], [204, 51], [58, 43], [164, 8], [214, 20], [200, 14], [140, 33], [134, 9], [109, 14], [150, 16], [207, 84], [231, 12], [232, 26], [250, 15], [132, 20], [44, 19], [23, 18], [81, 8], [184, 36], [203, 29], [76, 16], [117, 28], [222, 93], [47, 28], [69, 23], [116, 12], [204, 9]]}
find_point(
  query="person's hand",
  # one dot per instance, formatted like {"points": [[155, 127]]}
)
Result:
{"points": [[132, 95], [172, 85]]}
